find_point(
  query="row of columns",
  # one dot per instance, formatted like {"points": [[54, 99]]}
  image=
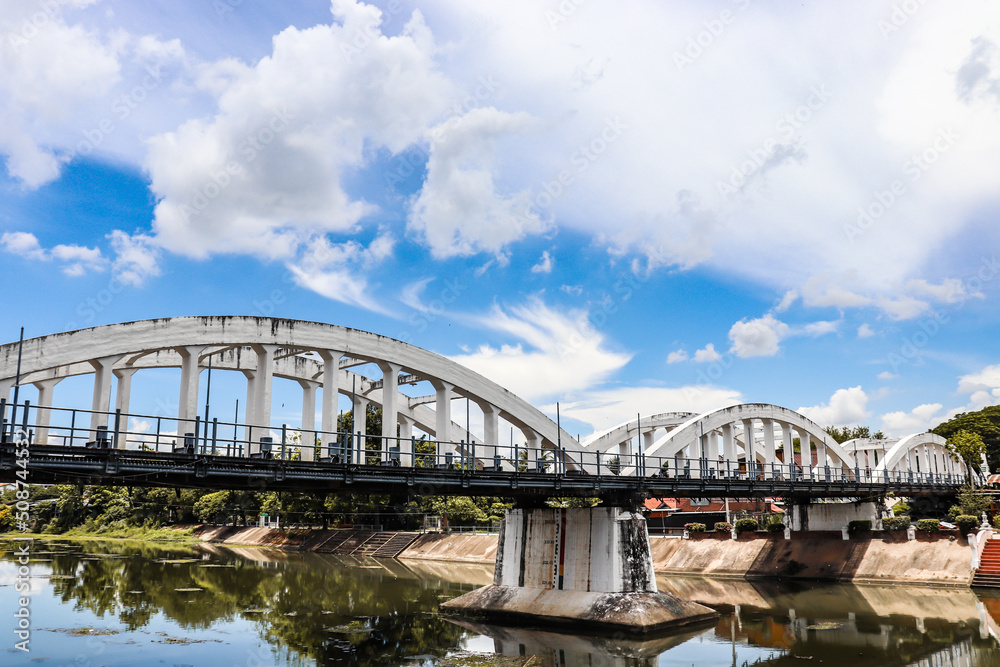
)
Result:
{"points": [[258, 402]]}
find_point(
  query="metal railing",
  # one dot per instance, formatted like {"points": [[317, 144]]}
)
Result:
{"points": [[81, 430]]}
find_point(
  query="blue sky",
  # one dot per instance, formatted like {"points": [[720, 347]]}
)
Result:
{"points": [[641, 208]]}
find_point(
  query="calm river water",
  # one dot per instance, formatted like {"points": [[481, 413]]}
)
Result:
{"points": [[114, 603]]}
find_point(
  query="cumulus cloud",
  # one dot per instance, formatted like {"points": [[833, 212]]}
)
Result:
{"points": [[707, 354], [264, 174], [136, 258], [865, 331], [544, 263], [920, 419], [758, 337], [677, 356], [557, 353], [845, 407], [49, 68], [460, 209], [336, 270], [76, 260], [887, 375]]}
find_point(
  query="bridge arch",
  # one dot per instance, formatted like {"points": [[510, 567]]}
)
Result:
{"points": [[314, 354], [728, 437], [922, 453]]}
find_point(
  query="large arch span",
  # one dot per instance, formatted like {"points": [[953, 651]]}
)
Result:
{"points": [[753, 438]]}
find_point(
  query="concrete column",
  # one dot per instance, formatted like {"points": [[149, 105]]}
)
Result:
{"points": [[102, 392], [308, 429], [712, 449], [390, 411], [590, 564], [45, 388], [248, 409], [729, 447], [360, 425], [789, 447], [491, 433], [533, 441], [262, 391], [187, 404], [769, 457], [405, 436], [331, 394], [442, 411], [123, 396], [821, 458]]}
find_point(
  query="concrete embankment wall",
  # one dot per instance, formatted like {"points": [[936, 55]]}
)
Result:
{"points": [[925, 562], [939, 562]]}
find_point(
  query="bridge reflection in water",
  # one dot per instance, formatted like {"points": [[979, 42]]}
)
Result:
{"points": [[213, 604]]}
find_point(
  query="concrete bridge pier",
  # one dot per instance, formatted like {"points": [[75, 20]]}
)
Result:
{"points": [[577, 567]]}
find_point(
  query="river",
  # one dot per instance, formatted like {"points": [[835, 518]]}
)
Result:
{"points": [[123, 603]]}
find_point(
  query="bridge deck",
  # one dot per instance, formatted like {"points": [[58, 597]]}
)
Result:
{"points": [[80, 465]]}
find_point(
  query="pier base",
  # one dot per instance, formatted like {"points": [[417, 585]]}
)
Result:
{"points": [[578, 567]]}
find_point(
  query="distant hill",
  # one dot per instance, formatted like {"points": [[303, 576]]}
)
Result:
{"points": [[985, 422]]}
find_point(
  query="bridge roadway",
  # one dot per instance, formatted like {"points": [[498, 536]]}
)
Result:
{"points": [[117, 467]]}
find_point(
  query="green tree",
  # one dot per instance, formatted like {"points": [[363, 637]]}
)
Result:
{"points": [[845, 433], [969, 446], [985, 423], [6, 518], [212, 507]]}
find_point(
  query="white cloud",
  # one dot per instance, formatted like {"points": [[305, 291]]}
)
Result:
{"points": [[264, 174], [918, 420], [459, 210], [677, 356], [557, 353], [77, 260], [816, 329], [887, 375], [334, 270], [787, 300], [757, 338], [136, 258], [865, 331], [24, 244], [845, 407], [987, 378], [544, 263], [49, 70], [708, 354]]}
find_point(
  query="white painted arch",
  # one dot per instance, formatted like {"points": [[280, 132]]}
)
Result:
{"points": [[317, 353]]}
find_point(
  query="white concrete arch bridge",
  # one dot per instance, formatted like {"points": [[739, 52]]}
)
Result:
{"points": [[735, 451]]}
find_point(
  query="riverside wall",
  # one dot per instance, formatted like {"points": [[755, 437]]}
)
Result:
{"points": [[809, 557]]}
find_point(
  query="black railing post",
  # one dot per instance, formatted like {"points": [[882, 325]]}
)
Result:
{"points": [[118, 425]]}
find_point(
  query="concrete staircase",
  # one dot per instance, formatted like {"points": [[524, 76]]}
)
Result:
{"points": [[988, 574], [364, 543], [395, 545]]}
